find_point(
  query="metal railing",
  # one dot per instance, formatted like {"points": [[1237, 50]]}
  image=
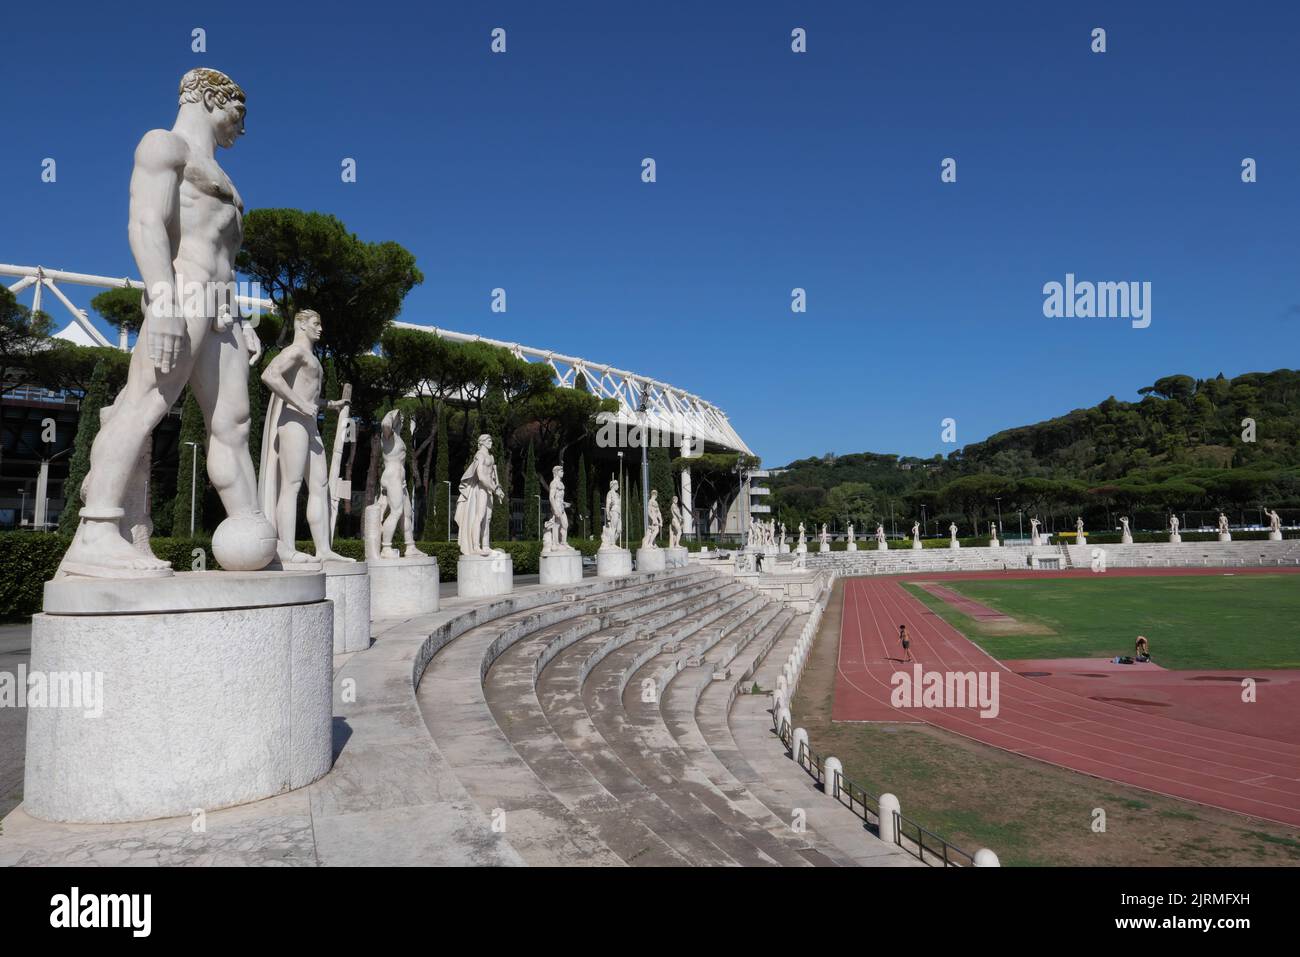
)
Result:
{"points": [[923, 844]]}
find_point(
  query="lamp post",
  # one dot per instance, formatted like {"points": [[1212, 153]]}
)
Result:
{"points": [[1020, 518], [194, 468], [925, 529], [447, 482], [539, 515], [22, 509], [999, 501], [622, 499]]}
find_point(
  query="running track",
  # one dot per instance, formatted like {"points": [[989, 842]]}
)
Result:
{"points": [[1222, 769]]}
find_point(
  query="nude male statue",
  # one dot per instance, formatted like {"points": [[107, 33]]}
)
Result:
{"points": [[291, 449], [557, 527], [185, 225], [393, 492], [654, 521], [675, 523]]}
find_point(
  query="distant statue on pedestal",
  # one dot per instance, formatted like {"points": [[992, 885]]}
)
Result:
{"points": [[555, 536], [675, 523], [1174, 537], [1126, 536], [881, 544], [393, 494], [1274, 526], [993, 535], [1034, 538], [802, 544], [613, 528], [654, 521], [478, 486], [916, 535], [783, 542], [850, 533], [292, 453], [1224, 534], [952, 536]]}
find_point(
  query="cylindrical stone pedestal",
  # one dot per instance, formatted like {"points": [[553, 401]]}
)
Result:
{"points": [[954, 544], [994, 543], [403, 587], [613, 562], [347, 585], [560, 567], [1081, 540], [801, 550], [916, 545], [200, 690], [679, 557], [1225, 536], [651, 559], [1275, 536], [1175, 538], [882, 546], [824, 547], [851, 547], [785, 548], [481, 576], [1126, 539]]}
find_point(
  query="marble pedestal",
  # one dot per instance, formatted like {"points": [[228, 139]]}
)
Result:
{"points": [[1126, 539], [802, 550], [1275, 536], [823, 547], [216, 691], [851, 547], [613, 562], [916, 545], [1175, 538], [403, 587], [560, 567], [1081, 540], [347, 585], [882, 546], [954, 544], [994, 543], [785, 548], [651, 559], [679, 556], [1036, 542], [1225, 536], [480, 576]]}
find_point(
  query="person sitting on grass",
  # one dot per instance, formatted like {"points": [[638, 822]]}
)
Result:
{"points": [[1141, 649], [907, 642]]}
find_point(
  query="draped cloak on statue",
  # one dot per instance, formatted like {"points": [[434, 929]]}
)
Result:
{"points": [[474, 505]]}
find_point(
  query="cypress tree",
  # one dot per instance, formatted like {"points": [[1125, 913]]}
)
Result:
{"points": [[532, 502], [192, 430], [435, 516], [583, 518], [501, 510], [97, 396], [661, 479]]}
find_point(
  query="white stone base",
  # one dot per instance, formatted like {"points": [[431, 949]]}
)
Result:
{"points": [[347, 585], [802, 549], [481, 576], [613, 562], [916, 545], [954, 544], [560, 568], [216, 691], [882, 546], [1225, 536], [851, 547], [1036, 542], [403, 587], [994, 543], [1175, 538], [1126, 539], [651, 559], [785, 548], [677, 557], [823, 547], [1275, 536]]}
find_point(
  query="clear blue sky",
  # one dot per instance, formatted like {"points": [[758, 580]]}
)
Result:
{"points": [[775, 170]]}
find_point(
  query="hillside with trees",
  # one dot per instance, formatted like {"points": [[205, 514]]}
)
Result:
{"points": [[1192, 446]]}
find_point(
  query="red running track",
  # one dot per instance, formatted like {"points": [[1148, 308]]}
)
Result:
{"points": [[1219, 768]]}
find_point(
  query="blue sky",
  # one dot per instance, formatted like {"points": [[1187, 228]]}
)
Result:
{"points": [[775, 170]]}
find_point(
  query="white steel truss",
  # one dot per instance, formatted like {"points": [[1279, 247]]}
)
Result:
{"points": [[643, 402]]}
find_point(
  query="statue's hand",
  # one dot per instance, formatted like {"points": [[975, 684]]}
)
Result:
{"points": [[306, 407], [501, 495], [166, 336], [335, 404], [253, 341]]}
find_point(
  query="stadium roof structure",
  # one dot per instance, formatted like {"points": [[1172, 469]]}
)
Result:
{"points": [[643, 402]]}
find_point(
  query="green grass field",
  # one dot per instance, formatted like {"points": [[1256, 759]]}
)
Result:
{"points": [[1244, 621]]}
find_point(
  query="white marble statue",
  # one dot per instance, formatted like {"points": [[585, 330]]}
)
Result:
{"points": [[1123, 520], [880, 534], [185, 225], [1274, 520], [613, 528], [555, 537], [478, 486], [1126, 534], [803, 538], [783, 542], [952, 531], [654, 521], [851, 539], [292, 453], [1078, 527], [993, 531], [676, 522], [1223, 524], [393, 494], [1173, 524], [825, 536]]}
